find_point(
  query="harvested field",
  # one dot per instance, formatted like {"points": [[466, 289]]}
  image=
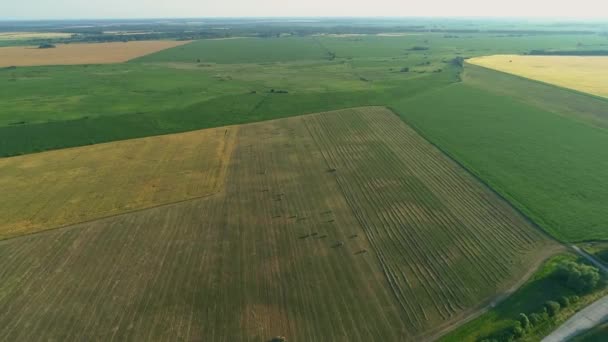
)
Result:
{"points": [[588, 74], [95, 53], [57, 188], [339, 226], [33, 35]]}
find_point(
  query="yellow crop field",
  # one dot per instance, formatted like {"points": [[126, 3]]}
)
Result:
{"points": [[56, 188], [93, 53], [588, 74], [337, 226], [33, 35]]}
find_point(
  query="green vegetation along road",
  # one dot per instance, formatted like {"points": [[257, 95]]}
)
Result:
{"points": [[582, 321]]}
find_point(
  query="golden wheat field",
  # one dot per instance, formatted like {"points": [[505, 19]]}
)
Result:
{"points": [[588, 74], [56, 188], [93, 53]]}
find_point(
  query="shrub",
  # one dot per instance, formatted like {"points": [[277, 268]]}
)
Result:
{"points": [[536, 319], [552, 307], [517, 330], [579, 277], [543, 315], [405, 69], [564, 301], [524, 321]]}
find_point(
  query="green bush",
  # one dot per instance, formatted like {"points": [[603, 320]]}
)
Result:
{"points": [[564, 301], [579, 277], [540, 317], [552, 307], [517, 331], [536, 319], [524, 321]]}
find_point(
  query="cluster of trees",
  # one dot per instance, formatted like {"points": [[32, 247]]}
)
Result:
{"points": [[526, 323], [578, 277]]}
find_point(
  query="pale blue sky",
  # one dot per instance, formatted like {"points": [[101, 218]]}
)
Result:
{"points": [[75, 9]]}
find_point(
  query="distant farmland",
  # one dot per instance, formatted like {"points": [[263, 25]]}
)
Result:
{"points": [[339, 226], [94, 53], [33, 35], [588, 74]]}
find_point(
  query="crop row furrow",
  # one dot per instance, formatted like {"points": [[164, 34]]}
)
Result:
{"points": [[403, 296]]}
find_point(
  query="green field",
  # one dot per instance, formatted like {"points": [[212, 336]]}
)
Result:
{"points": [[241, 50], [80, 105], [345, 226], [549, 165]]}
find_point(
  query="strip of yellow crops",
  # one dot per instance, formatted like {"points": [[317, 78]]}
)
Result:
{"points": [[588, 74], [57, 188]]}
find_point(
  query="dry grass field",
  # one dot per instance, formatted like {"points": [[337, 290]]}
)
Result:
{"points": [[93, 53], [33, 35], [588, 74], [339, 226], [56, 188]]}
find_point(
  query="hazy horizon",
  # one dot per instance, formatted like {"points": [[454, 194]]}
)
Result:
{"points": [[145, 9]]}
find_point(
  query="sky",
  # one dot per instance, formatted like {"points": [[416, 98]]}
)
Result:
{"points": [[86, 9]]}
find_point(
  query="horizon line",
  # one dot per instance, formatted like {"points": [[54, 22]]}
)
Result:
{"points": [[588, 18]]}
